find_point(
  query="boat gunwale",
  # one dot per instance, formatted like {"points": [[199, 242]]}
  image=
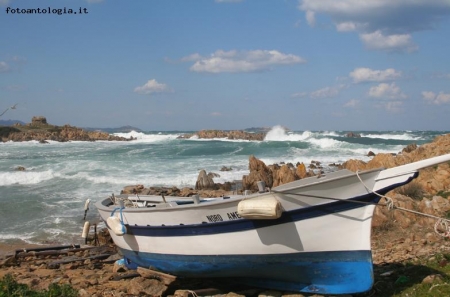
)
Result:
{"points": [[231, 198]]}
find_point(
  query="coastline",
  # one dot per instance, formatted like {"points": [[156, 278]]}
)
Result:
{"points": [[391, 246]]}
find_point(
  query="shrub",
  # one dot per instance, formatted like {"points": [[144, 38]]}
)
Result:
{"points": [[9, 287], [413, 190], [443, 194]]}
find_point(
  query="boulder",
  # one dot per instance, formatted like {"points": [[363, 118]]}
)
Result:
{"points": [[352, 134], [258, 172], [283, 175], [409, 148], [354, 165], [204, 181], [134, 189], [301, 170]]}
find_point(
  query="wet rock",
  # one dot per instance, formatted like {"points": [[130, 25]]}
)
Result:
{"points": [[352, 134]]}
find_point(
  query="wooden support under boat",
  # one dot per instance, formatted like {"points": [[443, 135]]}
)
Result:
{"points": [[167, 279], [48, 248], [77, 259], [50, 252]]}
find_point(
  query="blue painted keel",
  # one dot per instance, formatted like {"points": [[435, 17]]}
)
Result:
{"points": [[338, 272]]}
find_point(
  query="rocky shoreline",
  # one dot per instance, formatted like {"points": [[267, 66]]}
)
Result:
{"points": [[235, 134], [398, 237], [38, 129]]}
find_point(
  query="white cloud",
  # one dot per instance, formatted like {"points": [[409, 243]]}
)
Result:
{"points": [[393, 106], [299, 95], [389, 91], [19, 59], [390, 22], [326, 92], [152, 86], [440, 75], [346, 26], [387, 15], [395, 42], [4, 67], [311, 18], [241, 61], [193, 57], [431, 97], [216, 114], [369, 75], [352, 103]]}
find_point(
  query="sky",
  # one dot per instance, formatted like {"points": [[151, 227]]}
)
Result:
{"points": [[227, 64]]}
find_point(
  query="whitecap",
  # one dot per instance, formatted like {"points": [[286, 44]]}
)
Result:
{"points": [[141, 137], [278, 133], [25, 177]]}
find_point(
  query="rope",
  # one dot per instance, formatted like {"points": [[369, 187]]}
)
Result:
{"points": [[441, 223], [124, 230]]}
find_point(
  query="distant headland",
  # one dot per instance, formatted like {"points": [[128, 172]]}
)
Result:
{"points": [[42, 131]]}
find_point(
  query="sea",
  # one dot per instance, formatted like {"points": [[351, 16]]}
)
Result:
{"points": [[45, 203]]}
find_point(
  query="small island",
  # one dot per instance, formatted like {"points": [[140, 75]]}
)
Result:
{"points": [[235, 134]]}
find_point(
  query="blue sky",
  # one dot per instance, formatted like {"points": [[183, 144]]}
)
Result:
{"points": [[210, 64]]}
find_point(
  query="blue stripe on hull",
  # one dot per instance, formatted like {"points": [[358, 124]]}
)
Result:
{"points": [[339, 272]]}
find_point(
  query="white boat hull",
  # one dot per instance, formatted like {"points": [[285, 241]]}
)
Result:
{"points": [[320, 244]]}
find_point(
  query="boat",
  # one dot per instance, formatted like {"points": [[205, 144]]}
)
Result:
{"points": [[311, 235]]}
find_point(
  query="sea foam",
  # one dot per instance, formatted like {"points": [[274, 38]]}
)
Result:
{"points": [[25, 177], [142, 137]]}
